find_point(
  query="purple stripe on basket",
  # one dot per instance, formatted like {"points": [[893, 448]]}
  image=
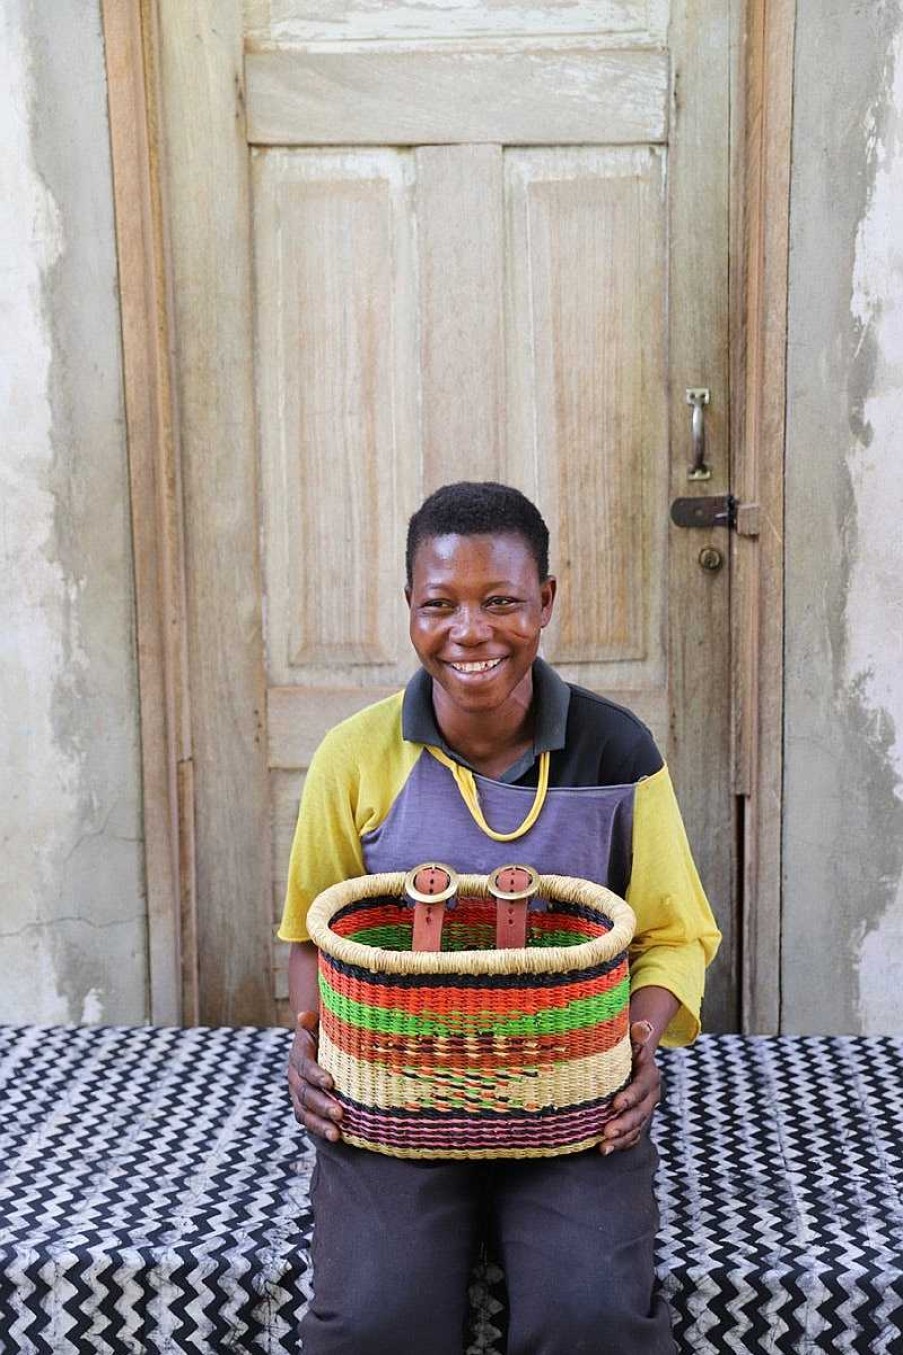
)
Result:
{"points": [[468, 1132]]}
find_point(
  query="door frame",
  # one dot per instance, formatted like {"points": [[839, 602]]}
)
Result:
{"points": [[759, 283], [203, 719], [152, 433]]}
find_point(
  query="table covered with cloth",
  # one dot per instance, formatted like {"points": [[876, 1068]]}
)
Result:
{"points": [[153, 1195]]}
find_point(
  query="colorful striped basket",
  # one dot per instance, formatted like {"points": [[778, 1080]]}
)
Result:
{"points": [[441, 1045]]}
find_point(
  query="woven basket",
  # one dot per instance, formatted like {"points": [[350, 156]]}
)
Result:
{"points": [[470, 1051]]}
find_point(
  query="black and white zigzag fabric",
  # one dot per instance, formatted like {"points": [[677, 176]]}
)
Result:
{"points": [[781, 1195], [153, 1196], [153, 1192]]}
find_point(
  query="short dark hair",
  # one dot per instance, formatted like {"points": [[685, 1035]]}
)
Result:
{"points": [[479, 508]]}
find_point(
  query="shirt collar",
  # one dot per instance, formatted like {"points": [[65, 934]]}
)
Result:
{"points": [[551, 697]]}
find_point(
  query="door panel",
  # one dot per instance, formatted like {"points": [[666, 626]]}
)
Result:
{"points": [[517, 94], [337, 383], [588, 402], [635, 23], [461, 272]]}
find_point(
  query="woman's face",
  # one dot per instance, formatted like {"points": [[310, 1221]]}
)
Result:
{"points": [[477, 609]]}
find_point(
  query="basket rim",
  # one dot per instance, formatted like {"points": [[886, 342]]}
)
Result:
{"points": [[532, 960]]}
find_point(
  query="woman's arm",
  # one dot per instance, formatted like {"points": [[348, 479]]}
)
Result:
{"points": [[676, 934], [308, 1084], [303, 989], [651, 1011], [657, 1006]]}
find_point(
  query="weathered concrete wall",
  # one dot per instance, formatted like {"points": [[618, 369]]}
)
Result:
{"points": [[842, 964], [72, 913]]}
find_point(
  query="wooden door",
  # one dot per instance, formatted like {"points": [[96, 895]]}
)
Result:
{"points": [[417, 243]]}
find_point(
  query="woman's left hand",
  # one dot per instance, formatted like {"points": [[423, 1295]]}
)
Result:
{"points": [[634, 1106]]}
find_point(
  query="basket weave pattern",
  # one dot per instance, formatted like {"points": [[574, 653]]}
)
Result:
{"points": [[473, 1052]]}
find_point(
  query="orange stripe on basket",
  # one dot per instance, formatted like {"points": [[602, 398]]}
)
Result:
{"points": [[483, 1052], [496, 1000]]}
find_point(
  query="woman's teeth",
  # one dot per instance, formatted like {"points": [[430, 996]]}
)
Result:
{"points": [[483, 667]]}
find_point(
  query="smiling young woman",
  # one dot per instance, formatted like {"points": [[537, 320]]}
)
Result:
{"points": [[485, 746], [478, 609]]}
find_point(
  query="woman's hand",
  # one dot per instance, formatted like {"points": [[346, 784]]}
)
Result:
{"points": [[308, 1085], [634, 1106]]}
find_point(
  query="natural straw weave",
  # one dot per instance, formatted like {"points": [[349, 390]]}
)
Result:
{"points": [[470, 1052]]}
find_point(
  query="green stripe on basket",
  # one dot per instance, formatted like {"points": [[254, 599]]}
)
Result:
{"points": [[473, 937], [391, 937], [586, 1011]]}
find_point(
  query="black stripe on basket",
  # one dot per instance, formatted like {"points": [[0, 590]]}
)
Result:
{"points": [[540, 980], [428, 1113]]}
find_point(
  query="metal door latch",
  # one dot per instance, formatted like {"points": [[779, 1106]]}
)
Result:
{"points": [[717, 510]]}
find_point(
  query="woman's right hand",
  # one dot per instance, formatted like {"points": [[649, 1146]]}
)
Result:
{"points": [[308, 1085]]}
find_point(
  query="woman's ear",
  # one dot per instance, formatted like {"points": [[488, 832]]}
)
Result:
{"points": [[407, 594], [547, 591]]}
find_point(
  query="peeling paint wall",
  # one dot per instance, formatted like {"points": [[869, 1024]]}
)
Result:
{"points": [[72, 911], [842, 965]]}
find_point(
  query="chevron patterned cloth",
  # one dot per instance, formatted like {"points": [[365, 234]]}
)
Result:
{"points": [[780, 1194], [153, 1195]]}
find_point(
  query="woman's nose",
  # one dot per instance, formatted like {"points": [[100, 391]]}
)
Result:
{"points": [[470, 626]]}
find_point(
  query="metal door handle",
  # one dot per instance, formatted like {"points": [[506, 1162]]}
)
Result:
{"points": [[698, 397]]}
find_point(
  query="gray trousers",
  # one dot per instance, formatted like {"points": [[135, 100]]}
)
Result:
{"points": [[394, 1242]]}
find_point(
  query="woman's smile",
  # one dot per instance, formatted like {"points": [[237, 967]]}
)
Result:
{"points": [[471, 668]]}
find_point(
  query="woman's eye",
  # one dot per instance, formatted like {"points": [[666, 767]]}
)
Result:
{"points": [[436, 604], [502, 602]]}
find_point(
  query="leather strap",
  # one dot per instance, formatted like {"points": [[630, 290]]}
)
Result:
{"points": [[511, 924], [428, 918], [429, 887], [513, 887]]}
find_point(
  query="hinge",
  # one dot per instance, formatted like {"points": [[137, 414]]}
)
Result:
{"points": [[717, 510]]}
